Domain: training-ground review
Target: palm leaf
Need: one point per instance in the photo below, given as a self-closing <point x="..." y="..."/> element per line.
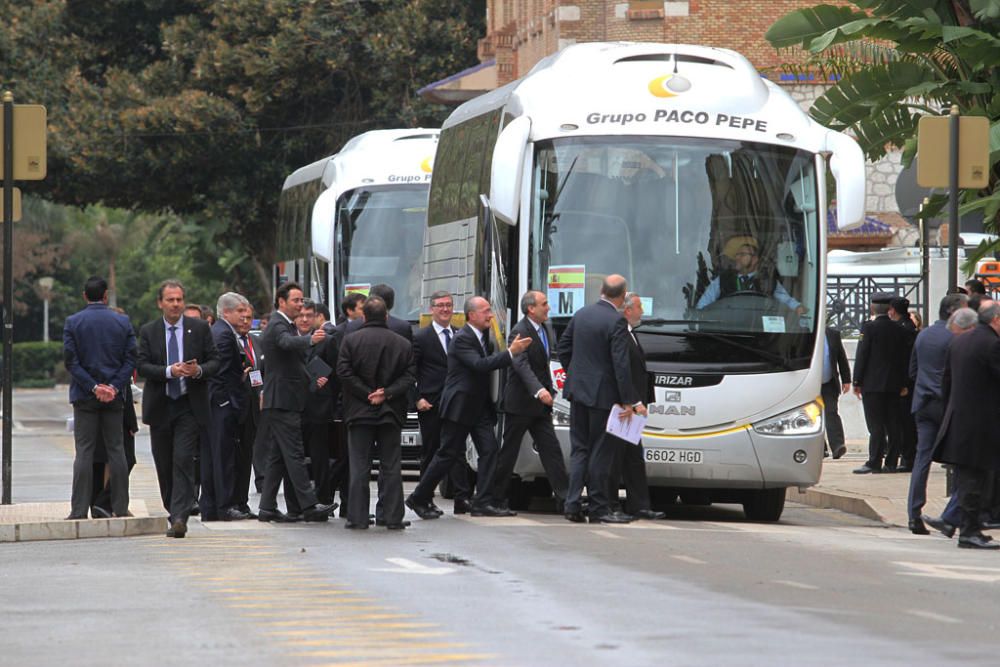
<point x="856" y="96"/>
<point x="800" y="27"/>
<point x="892" y="126"/>
<point x="900" y="9"/>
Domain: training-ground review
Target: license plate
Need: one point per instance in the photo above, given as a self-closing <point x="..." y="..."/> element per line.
<point x="688" y="456"/>
<point x="410" y="439"/>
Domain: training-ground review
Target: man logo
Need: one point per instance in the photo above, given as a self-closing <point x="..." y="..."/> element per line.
<point x="427" y="165"/>
<point x="670" y="85"/>
<point x="671" y="397"/>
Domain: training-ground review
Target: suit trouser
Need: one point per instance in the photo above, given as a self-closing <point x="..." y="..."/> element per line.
<point x="928" y="421"/>
<point x="91" y="420"/>
<point x="591" y="458"/>
<point x="882" y="418"/>
<point x="218" y="464"/>
<point x="969" y="483"/>
<point x="286" y="455"/>
<point x="244" y="461"/>
<point x="430" y="442"/>
<point x="174" y="445"/>
<point x="261" y="447"/>
<point x="543" y="433"/>
<point x="453" y="436"/>
<point x="340" y="467"/>
<point x="318" y="442"/>
<point x="831" y="414"/>
<point x="361" y="441"/>
<point x="629" y="467"/>
<point x="907" y="431"/>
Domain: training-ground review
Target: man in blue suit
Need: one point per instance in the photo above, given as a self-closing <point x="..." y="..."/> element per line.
<point x="99" y="352"/>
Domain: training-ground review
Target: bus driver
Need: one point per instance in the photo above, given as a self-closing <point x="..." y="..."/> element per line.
<point x="745" y="276"/>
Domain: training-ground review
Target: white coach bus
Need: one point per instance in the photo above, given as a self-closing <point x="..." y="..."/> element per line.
<point x="357" y="218"/>
<point x="676" y="166"/>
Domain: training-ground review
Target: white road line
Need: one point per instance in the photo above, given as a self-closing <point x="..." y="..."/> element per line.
<point x="931" y="616"/>
<point x="948" y="571"/>
<point x="407" y="566"/>
<point x="796" y="584"/>
<point x="753" y="527"/>
<point x="690" y="559"/>
<point x="606" y="533"/>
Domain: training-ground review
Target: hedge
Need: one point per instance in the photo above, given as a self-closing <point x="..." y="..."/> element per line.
<point x="35" y="362"/>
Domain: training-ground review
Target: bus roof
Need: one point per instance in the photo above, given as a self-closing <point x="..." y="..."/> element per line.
<point x="632" y="88"/>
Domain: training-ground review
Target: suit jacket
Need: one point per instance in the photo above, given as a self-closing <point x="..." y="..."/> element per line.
<point x="401" y="327"/>
<point x="971" y="385"/>
<point x="880" y="364"/>
<point x="375" y="357"/>
<point x="198" y="345"/>
<point x="98" y="348"/>
<point x="285" y="379"/>
<point x="228" y="385"/>
<point x="838" y="356"/>
<point x="594" y="352"/>
<point x="322" y="402"/>
<point x="431" y="362"/>
<point x="531" y="372"/>
<point x="466" y="395"/>
<point x="642" y="381"/>
<point x="927" y="363"/>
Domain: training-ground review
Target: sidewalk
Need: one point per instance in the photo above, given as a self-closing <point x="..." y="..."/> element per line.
<point x="878" y="497"/>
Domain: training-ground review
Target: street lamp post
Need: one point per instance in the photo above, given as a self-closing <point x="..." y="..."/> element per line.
<point x="45" y="288"/>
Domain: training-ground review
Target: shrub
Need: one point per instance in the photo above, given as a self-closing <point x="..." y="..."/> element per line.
<point x="36" y="361"/>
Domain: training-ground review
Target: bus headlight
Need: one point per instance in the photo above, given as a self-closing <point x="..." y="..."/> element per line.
<point x="804" y="420"/>
<point x="560" y="415"/>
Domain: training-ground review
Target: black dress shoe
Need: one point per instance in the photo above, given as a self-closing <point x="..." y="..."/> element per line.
<point x="402" y="525"/>
<point x="75" y="517"/>
<point x="177" y="529"/>
<point x="652" y="515"/>
<point x="867" y="470"/>
<point x="490" y="510"/>
<point x="99" y="512"/>
<point x="380" y="522"/>
<point x="316" y="514"/>
<point x="977" y="542"/>
<point x="435" y="507"/>
<point x="233" y="514"/>
<point x="424" y="511"/>
<point x="195" y="511"/>
<point x="275" y="516"/>
<point x="333" y="508"/>
<point x="462" y="507"/>
<point x="575" y="517"/>
<point x="840" y="452"/>
<point x="939" y="524"/>
<point x="249" y="512"/>
<point x="350" y="525"/>
<point x="917" y="527"/>
<point x="611" y="517"/>
<point x="890" y="469"/>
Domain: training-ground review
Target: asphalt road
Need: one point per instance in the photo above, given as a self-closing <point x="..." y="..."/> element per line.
<point x="704" y="587"/>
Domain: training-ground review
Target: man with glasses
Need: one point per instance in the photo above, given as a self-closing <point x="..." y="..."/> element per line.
<point x="430" y="352"/>
<point x="746" y="276"/>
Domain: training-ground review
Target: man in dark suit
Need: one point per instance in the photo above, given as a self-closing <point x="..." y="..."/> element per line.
<point x="285" y="387"/>
<point x="527" y="403"/>
<point x="387" y="294"/>
<point x="899" y="312"/>
<point x="594" y="352"/>
<point x="375" y="367"/>
<point x="836" y="381"/>
<point x="467" y="409"/>
<point x="880" y="380"/>
<point x="99" y="353"/>
<point x="176" y="356"/>
<point x="430" y="353"/>
<point x="968" y="433"/>
<point x="250" y="414"/>
<point x="321" y="400"/>
<point x="230" y="395"/>
<point x="927" y="362"/>
<point x="630" y="463"/>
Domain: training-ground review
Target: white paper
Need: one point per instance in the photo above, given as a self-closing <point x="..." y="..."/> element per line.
<point x="629" y="429"/>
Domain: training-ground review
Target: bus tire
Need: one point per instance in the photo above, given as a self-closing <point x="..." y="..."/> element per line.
<point x="660" y="498"/>
<point x="766" y="505"/>
<point x="700" y="497"/>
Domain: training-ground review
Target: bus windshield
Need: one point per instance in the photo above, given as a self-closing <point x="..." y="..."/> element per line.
<point x="718" y="237"/>
<point x="379" y="239"/>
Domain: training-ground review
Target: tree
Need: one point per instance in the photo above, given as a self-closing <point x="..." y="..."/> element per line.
<point x="900" y="60"/>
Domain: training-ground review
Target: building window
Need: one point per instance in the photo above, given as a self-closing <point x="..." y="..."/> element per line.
<point x="642" y="10"/>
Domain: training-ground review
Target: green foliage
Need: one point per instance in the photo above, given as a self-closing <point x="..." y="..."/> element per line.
<point x="905" y="59"/>
<point x="36" y="361"/>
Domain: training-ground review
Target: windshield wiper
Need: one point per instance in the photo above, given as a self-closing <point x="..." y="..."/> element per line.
<point x="776" y="359"/>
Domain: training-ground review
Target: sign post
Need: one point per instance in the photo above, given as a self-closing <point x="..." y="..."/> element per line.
<point x="24" y="159"/>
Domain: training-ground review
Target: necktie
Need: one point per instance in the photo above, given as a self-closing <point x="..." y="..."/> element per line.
<point x="447" y="338"/>
<point x="545" y="339"/>
<point x="173" y="356"/>
<point x="248" y="349"/>
<point x="744" y="282"/>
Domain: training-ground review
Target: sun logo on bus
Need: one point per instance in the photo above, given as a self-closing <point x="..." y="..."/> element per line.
<point x="670" y="85"/>
<point x="427" y="165"/>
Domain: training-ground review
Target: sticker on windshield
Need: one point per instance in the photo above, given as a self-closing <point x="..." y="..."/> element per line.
<point x="647" y="305"/>
<point x="773" y="323"/>
<point x="360" y="288"/>
<point x="566" y="289"/>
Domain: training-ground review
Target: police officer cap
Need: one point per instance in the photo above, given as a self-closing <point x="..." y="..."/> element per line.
<point x="900" y="304"/>
<point x="883" y="297"/>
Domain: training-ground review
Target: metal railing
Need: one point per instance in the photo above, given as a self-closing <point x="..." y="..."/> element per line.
<point x="848" y="298"/>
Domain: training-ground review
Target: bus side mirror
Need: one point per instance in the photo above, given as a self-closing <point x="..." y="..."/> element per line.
<point x="507" y="167"/>
<point x="848" y="167"/>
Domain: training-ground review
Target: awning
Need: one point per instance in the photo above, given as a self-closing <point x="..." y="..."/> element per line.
<point x="462" y="86"/>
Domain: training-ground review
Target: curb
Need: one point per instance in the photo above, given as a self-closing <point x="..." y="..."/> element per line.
<point x="33" y="531"/>
<point x="844" y="502"/>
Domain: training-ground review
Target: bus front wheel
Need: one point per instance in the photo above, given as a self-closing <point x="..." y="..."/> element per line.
<point x="766" y="505"/>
